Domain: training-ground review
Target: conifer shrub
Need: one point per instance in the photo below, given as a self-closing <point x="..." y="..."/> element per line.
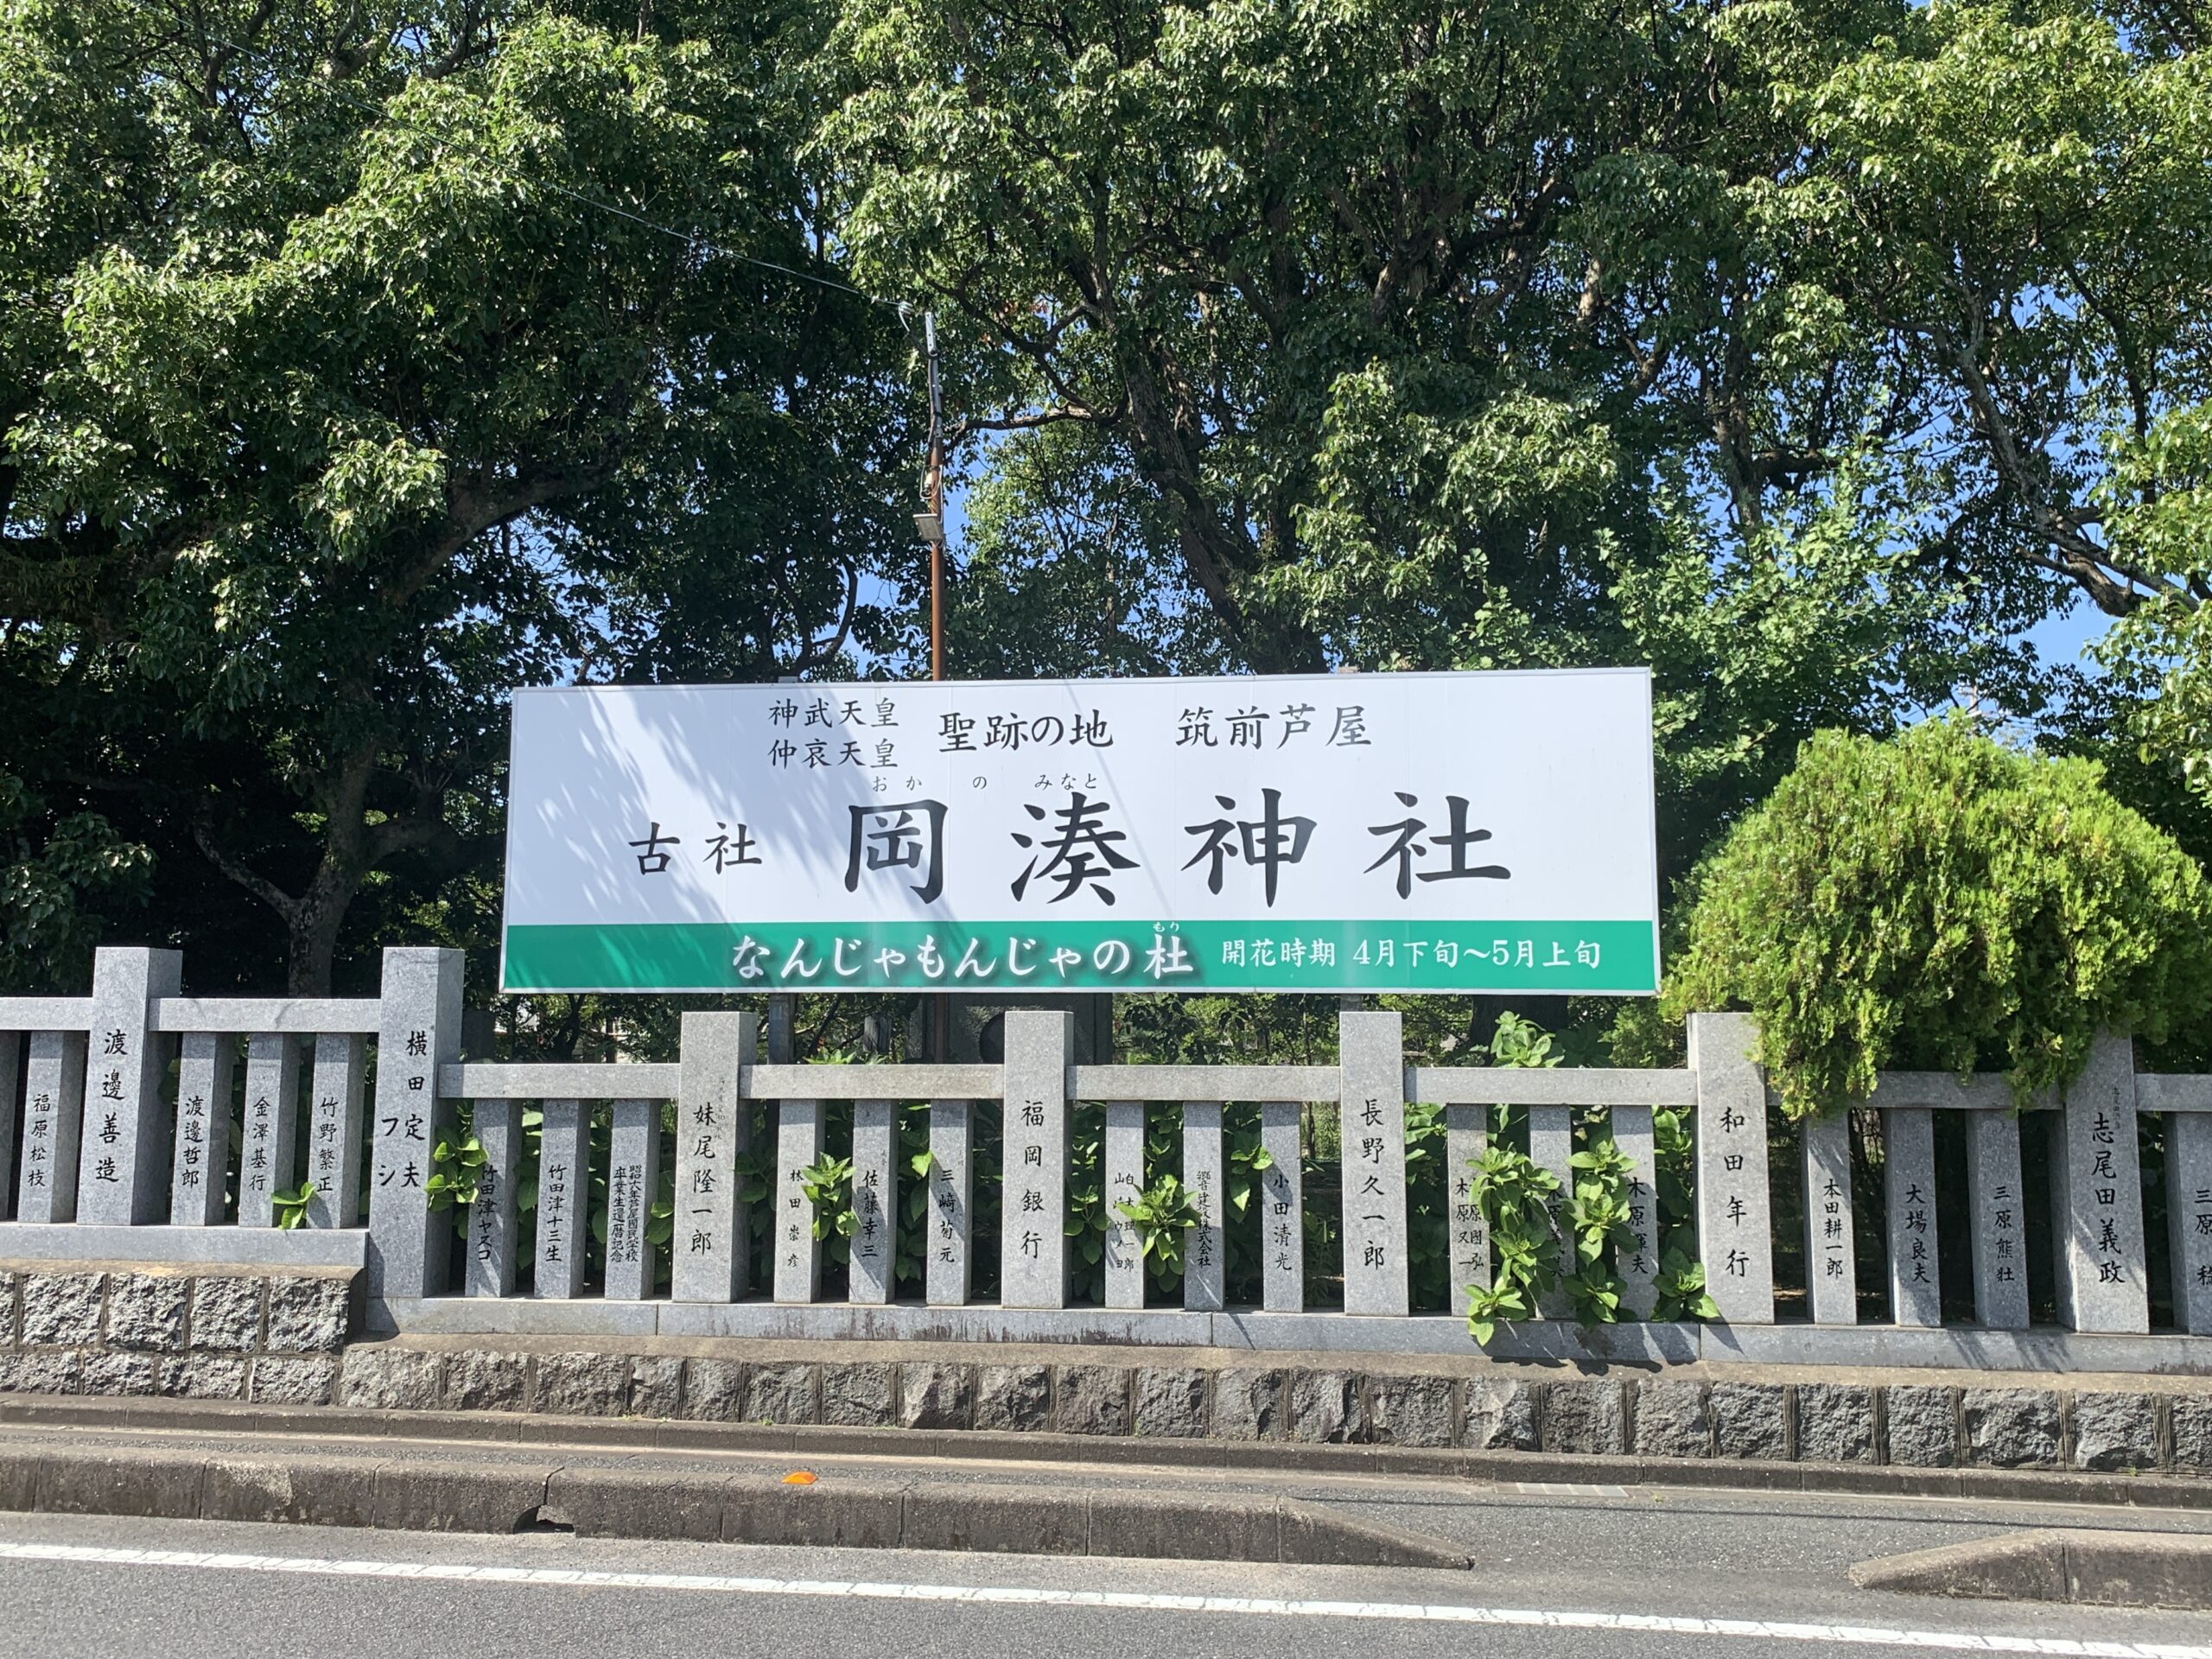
<point x="1937" y="900"/>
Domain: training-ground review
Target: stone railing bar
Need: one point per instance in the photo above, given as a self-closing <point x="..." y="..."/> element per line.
<point x="290" y="1015"/>
<point x="874" y="1082"/>
<point x="560" y="1080"/>
<point x="1202" y="1083"/>
<point x="2157" y="1092"/>
<point x="20" y="1013"/>
<point x="1560" y="1086"/>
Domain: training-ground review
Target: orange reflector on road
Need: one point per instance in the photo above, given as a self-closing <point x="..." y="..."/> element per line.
<point x="801" y="1478"/>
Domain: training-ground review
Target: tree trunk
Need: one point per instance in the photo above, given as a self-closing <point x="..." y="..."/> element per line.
<point x="313" y="923"/>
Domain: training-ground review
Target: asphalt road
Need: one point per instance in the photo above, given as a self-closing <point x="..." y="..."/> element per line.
<point x="1636" y="1572"/>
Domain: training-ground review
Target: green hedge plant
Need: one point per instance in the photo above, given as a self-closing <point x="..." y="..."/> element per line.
<point x="1941" y="901"/>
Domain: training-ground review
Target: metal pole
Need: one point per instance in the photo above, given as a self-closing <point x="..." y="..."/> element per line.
<point x="936" y="491"/>
<point x="940" y="1005"/>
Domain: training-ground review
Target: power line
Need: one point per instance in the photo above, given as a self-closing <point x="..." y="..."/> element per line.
<point x="690" y="238"/>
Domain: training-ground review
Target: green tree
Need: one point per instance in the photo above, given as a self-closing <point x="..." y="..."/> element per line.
<point x="1940" y="900"/>
<point x="1416" y="335"/>
<point x="347" y="381"/>
<point x="2004" y="204"/>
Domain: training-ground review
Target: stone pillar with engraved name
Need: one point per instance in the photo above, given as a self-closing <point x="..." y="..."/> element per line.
<point x="272" y="1119"/>
<point x="2096" y="1193"/>
<point x="1033" y="1270"/>
<point x="1908" y="1200"/>
<point x="1637" y="1260"/>
<point x="1205" y="1247"/>
<point x="1734" y="1215"/>
<point x="418" y="1033"/>
<point x="632" y="1187"/>
<point x="1124" y="1182"/>
<point x="54" y="1113"/>
<point x="710" y="1251"/>
<point x="490" y="1269"/>
<point x="122" y="1161"/>
<point x="1372" y="1112"/>
<point x="2000" y="1267"/>
<point x="334" y="1131"/>
<point x="205" y="1073"/>
<point x="1282" y="1208"/>
<point x="1831" y="1248"/>
<point x="946" y="1276"/>
<point x="875" y="1203"/>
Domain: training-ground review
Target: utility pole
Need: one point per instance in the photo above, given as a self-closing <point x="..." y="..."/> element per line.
<point x="931" y="523"/>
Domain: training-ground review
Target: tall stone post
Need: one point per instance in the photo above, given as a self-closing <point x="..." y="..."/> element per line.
<point x="712" y="1244"/>
<point x="1734" y="1227"/>
<point x="2097" y="1193"/>
<point x="1371" y="1061"/>
<point x="1033" y="1254"/>
<point x="418" y="1032"/>
<point x="122" y="1162"/>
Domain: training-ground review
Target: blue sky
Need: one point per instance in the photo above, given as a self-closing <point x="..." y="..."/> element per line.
<point x="2063" y="639"/>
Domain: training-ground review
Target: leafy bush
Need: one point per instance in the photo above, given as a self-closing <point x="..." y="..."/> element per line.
<point x="1940" y="900"/>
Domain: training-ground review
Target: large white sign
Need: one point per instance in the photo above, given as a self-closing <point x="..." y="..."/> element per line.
<point x="1407" y="832"/>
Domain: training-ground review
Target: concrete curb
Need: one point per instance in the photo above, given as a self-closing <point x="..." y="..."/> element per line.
<point x="986" y="1445"/>
<point x="2104" y="1569"/>
<point x="417" y="1495"/>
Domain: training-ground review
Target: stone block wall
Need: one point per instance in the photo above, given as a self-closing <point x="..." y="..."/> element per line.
<point x="200" y="1332"/>
<point x="281" y="1337"/>
<point x="1625" y="1415"/>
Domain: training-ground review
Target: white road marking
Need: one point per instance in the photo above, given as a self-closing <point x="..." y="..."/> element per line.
<point x="1008" y="1595"/>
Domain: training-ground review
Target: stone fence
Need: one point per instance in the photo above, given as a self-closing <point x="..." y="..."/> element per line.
<point x="122" y="1110"/>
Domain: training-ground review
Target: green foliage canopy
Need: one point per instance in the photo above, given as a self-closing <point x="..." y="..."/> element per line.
<point x="345" y="382"/>
<point x="1938" y="900"/>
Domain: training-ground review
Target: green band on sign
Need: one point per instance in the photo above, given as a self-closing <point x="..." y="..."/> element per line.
<point x="1563" y="958"/>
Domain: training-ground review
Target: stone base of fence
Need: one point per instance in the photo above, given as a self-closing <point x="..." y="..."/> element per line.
<point x="195" y="1332"/>
<point x="280" y="1338"/>
<point x="1868" y="1419"/>
<point x="251" y="1248"/>
<point x="2043" y="1350"/>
